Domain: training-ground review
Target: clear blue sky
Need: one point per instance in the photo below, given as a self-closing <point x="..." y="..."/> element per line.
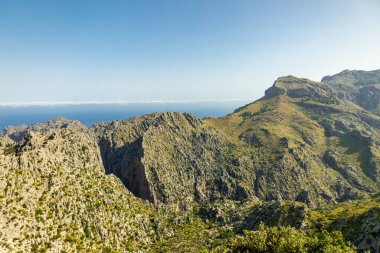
<point x="70" y="50"/>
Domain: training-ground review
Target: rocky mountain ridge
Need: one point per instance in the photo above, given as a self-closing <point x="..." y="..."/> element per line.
<point x="360" y="87"/>
<point x="303" y="146"/>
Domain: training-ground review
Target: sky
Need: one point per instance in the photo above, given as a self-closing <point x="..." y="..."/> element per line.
<point x="152" y="50"/>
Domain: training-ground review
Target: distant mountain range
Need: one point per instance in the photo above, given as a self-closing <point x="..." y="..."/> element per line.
<point x="306" y="155"/>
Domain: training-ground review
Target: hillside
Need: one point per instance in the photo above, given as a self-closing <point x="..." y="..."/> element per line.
<point x="55" y="197"/>
<point x="309" y="145"/>
<point x="360" y="87"/>
<point x="306" y="155"/>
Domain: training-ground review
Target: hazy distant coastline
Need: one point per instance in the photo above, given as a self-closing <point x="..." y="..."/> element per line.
<point x="116" y="102"/>
<point x="91" y="112"/>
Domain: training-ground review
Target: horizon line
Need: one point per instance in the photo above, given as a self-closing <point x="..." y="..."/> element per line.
<point x="114" y="102"/>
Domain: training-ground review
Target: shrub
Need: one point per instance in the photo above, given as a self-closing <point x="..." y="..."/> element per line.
<point x="286" y="239"/>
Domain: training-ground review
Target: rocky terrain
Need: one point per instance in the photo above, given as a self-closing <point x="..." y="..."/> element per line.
<point x="360" y="87"/>
<point x="306" y="155"/>
<point x="56" y="197"/>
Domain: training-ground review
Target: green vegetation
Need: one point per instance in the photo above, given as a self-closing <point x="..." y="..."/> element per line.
<point x="353" y="218"/>
<point x="248" y="114"/>
<point x="9" y="149"/>
<point x="286" y="239"/>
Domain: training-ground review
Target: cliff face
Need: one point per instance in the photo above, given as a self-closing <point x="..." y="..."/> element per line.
<point x="167" y="158"/>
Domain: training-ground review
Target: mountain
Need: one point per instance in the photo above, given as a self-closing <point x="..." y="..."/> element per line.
<point x="309" y="146"/>
<point x="297" y="157"/>
<point x="360" y="87"/>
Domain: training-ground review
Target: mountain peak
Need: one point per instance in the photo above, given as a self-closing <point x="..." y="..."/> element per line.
<point x="354" y="78"/>
<point x="296" y="87"/>
<point x="17" y="133"/>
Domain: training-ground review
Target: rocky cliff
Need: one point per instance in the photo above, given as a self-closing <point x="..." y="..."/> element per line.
<point x="171" y="158"/>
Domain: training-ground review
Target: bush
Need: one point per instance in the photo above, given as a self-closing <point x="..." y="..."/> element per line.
<point x="286" y="240"/>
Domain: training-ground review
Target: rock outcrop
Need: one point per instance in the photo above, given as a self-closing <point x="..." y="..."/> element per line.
<point x="298" y="88"/>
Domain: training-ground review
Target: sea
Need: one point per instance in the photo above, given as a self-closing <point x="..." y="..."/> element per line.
<point x="92" y="113"/>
